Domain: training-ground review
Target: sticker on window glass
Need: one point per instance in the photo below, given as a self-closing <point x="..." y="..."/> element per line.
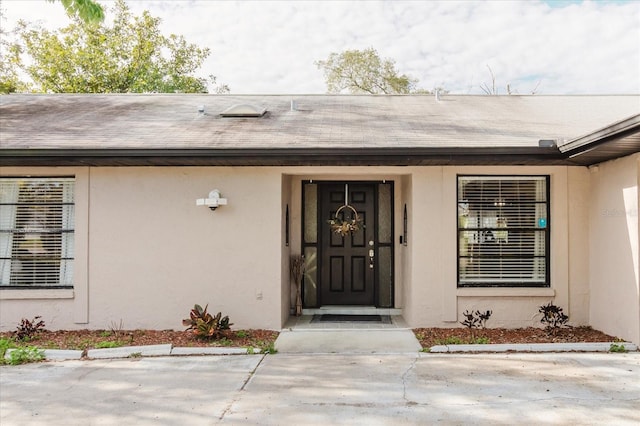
<point x="542" y="223"/>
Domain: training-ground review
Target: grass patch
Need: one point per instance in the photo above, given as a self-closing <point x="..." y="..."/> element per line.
<point x="5" y="344"/>
<point x="450" y="341"/>
<point x="453" y="340"/>
<point x="26" y="355"/>
<point x="109" y="344"/>
<point x="267" y="348"/>
<point x="617" y="347"/>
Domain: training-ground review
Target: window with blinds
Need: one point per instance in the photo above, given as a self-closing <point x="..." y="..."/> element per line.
<point x="503" y="231"/>
<point x="36" y="232"/>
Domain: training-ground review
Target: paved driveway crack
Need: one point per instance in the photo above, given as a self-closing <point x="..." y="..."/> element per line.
<point x="404" y="382"/>
<point x="238" y="393"/>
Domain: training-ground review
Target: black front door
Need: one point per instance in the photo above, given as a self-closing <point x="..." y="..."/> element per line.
<point x="347" y="263"/>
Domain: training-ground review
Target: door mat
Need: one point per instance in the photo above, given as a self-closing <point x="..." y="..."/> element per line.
<point x="384" y="319"/>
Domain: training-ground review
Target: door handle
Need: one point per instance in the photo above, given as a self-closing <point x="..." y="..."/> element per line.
<point x="371" y="253"/>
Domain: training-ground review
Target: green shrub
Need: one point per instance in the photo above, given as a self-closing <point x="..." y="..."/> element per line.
<point x="206" y="326"/>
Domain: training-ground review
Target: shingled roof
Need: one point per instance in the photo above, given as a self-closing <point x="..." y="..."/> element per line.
<point x="186" y="129"/>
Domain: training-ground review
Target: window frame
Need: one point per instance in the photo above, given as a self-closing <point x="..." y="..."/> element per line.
<point x="70" y="183"/>
<point x="547" y="236"/>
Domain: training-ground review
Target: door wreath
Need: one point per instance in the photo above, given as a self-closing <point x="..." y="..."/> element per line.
<point x="346" y="226"/>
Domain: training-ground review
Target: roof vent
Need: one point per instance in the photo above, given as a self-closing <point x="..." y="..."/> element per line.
<point x="547" y="143"/>
<point x="243" y="110"/>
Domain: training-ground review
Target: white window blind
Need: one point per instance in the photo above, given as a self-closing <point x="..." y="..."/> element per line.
<point x="503" y="231"/>
<point x="36" y="232"/>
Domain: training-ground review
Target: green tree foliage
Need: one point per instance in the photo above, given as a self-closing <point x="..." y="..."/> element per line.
<point x="87" y="10"/>
<point x="129" y="56"/>
<point x="9" y="59"/>
<point x="363" y="71"/>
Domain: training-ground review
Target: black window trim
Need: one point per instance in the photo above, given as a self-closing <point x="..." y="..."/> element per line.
<point x="547" y="257"/>
<point x="43" y="287"/>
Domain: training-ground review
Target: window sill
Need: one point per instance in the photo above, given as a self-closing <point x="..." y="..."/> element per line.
<point x="14" y="294"/>
<point x="506" y="292"/>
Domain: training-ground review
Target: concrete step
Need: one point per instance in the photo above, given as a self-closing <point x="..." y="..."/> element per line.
<point x="361" y="341"/>
<point x="352" y="310"/>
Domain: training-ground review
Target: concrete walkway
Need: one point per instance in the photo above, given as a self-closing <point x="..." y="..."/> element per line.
<point x="347" y="341"/>
<point x="314" y="389"/>
<point x="301" y="335"/>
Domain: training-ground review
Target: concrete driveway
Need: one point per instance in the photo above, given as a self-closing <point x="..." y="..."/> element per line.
<point x="308" y="389"/>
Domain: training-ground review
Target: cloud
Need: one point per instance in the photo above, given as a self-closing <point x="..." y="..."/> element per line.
<point x="270" y="46"/>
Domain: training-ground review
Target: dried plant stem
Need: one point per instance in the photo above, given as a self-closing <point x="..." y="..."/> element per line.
<point x="296" y="267"/>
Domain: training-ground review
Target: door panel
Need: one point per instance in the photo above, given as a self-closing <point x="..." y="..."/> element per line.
<point x="347" y="271"/>
<point x="358" y="273"/>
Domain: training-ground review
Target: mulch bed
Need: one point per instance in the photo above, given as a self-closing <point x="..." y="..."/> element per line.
<point x="437" y="336"/>
<point x="91" y="339"/>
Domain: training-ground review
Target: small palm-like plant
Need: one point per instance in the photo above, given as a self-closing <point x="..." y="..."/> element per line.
<point x="206" y="326"/>
<point x="475" y="320"/>
<point x="29" y="329"/>
<point x="553" y="318"/>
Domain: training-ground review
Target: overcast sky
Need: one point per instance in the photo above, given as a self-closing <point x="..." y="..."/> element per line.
<point x="265" y="47"/>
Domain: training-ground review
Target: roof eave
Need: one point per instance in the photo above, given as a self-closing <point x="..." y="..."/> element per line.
<point x="282" y="157"/>
<point x="618" y="129"/>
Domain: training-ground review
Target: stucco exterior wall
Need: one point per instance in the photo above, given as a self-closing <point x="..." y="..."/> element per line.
<point x="180" y="254"/>
<point x="152" y="253"/>
<point x="614" y="250"/>
<point x="426" y="249"/>
<point x="287" y="293"/>
<point x="404" y="279"/>
<point x="578" y="198"/>
<point x="433" y="297"/>
<point x="146" y="253"/>
<point x="61" y="308"/>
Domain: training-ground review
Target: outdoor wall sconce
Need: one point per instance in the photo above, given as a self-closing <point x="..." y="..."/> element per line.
<point x="213" y="201"/>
